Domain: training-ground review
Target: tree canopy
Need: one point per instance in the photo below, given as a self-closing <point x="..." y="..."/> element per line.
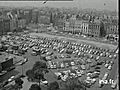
<point x="19" y="81"/>
<point x="73" y="84"/>
<point x="37" y="72"/>
<point x="53" y="86"/>
<point x="39" y="64"/>
<point x="30" y="74"/>
<point x="34" y="87"/>
<point x="102" y="29"/>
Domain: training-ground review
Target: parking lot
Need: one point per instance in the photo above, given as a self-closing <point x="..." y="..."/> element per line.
<point x="98" y="44"/>
<point x="86" y="60"/>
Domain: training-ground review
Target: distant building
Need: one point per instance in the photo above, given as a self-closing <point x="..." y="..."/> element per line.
<point x="85" y="27"/>
<point x="73" y="17"/>
<point x="20" y="12"/>
<point x="66" y="26"/>
<point x="13" y="24"/>
<point x="111" y="28"/>
<point x="44" y="20"/>
<point x="78" y="26"/>
<point x="94" y="29"/>
<point x="35" y="15"/>
<point x="74" y="26"/>
<point x="71" y="25"/>
<point x="60" y="24"/>
<point x="1" y="26"/>
<point x="21" y="23"/>
<point x="28" y="16"/>
<point x="6" y="22"/>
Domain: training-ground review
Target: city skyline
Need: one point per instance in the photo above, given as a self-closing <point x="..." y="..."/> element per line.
<point x="111" y="5"/>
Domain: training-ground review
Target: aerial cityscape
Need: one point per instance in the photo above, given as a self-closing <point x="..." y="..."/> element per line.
<point x="59" y="45"/>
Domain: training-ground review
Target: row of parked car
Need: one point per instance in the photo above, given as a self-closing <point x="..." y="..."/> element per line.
<point x="85" y="54"/>
<point x="79" y="50"/>
<point x="71" y="73"/>
<point x="62" y="64"/>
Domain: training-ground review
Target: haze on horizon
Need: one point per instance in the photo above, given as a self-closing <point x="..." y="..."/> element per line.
<point x="111" y="5"/>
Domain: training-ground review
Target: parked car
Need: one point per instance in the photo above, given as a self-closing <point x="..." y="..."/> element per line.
<point x="34" y="54"/>
<point x="106" y="65"/>
<point x="109" y="67"/>
<point x="44" y="81"/>
<point x="105" y="76"/>
<point x="114" y="85"/>
<point x="11" y="78"/>
<point x="97" y="68"/>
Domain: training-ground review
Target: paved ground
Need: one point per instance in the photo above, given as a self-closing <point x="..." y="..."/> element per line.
<point x="112" y="75"/>
<point x="50" y="76"/>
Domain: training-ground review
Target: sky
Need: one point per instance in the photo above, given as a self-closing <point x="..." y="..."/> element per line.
<point x="94" y="4"/>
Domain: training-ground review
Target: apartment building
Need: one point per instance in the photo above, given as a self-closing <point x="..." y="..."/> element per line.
<point x="94" y="29"/>
<point x="85" y="27"/>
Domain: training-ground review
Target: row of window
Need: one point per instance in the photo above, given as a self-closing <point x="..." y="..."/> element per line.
<point x="94" y="26"/>
<point x="83" y="27"/>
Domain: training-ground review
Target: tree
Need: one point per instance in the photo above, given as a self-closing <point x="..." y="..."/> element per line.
<point x="19" y="81"/>
<point x="37" y="71"/>
<point x="73" y="84"/>
<point x="34" y="87"/>
<point x="30" y="75"/>
<point x="102" y="30"/>
<point x="38" y="75"/>
<point x="53" y="86"/>
<point x="10" y="87"/>
<point x="40" y="65"/>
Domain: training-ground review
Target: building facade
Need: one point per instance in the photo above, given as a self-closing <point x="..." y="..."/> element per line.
<point x="21" y="23"/>
<point x="85" y="27"/>
<point x="6" y="22"/>
<point x="43" y="20"/>
<point x="111" y="28"/>
<point x="35" y="14"/>
<point x="66" y="26"/>
<point x="78" y="26"/>
<point x="59" y="24"/>
<point x="1" y="26"/>
<point x="74" y="26"/>
<point x="13" y="25"/>
<point x="28" y="16"/>
<point x="94" y="29"/>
